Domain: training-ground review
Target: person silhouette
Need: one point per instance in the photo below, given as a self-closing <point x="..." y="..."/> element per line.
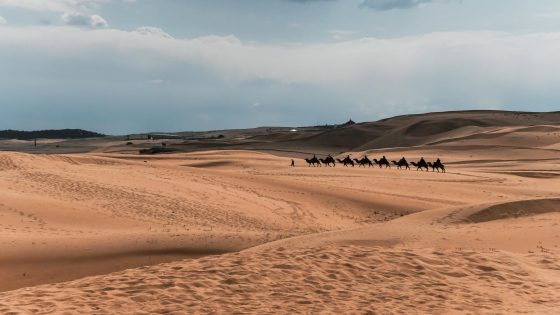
<point x="293" y="163"/>
<point x="438" y="161"/>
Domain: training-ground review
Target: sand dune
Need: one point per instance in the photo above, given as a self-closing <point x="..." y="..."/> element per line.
<point x="332" y="279"/>
<point x="515" y="209"/>
<point x="239" y="231"/>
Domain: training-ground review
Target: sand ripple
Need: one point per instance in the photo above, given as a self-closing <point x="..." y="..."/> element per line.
<point x="332" y="279"/>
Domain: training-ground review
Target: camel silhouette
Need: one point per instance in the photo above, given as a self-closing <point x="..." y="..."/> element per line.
<point x="313" y="161"/>
<point x="347" y="161"/>
<point x="437" y="166"/>
<point x="402" y="163"/>
<point x="440" y="165"/>
<point x="364" y="161"/>
<point x="328" y="161"/>
<point x="382" y="162"/>
<point x="420" y="164"/>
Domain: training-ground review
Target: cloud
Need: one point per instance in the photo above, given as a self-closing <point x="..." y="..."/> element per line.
<point x="381" y="5"/>
<point x="54" y="5"/>
<point x="85" y="20"/>
<point x="59" y="5"/>
<point x="152" y="31"/>
<point x="105" y="71"/>
<point x="384" y="5"/>
<point x="3" y="21"/>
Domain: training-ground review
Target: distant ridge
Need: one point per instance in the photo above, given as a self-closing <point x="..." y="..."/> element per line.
<point x="49" y="134"/>
<point x="401" y="131"/>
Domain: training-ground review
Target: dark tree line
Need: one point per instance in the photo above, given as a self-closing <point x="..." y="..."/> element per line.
<point x="49" y="134"/>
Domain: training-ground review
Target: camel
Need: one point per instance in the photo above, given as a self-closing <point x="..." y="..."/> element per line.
<point x="420" y="164"/>
<point x="382" y="162"/>
<point x="400" y="164"/>
<point x="328" y="161"/>
<point x="313" y="161"/>
<point x="364" y="161"/>
<point x="437" y="166"/>
<point x="347" y="161"/>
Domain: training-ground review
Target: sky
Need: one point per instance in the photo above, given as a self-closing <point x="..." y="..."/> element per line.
<point x="126" y="66"/>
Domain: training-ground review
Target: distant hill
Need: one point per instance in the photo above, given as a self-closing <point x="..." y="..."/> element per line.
<point x="482" y="127"/>
<point x="49" y="134"/>
<point x="420" y="129"/>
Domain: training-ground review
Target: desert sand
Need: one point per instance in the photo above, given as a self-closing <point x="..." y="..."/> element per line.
<point x="232" y="228"/>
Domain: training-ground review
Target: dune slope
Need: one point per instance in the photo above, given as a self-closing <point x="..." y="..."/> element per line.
<point x="239" y="231"/>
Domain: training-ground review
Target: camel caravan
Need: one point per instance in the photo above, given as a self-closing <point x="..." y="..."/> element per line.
<point x="383" y="162"/>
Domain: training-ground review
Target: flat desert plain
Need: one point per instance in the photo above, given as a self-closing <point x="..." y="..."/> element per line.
<point x="240" y="231"/>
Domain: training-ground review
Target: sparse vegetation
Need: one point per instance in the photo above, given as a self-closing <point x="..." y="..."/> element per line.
<point x="49" y="134"/>
<point x="157" y="150"/>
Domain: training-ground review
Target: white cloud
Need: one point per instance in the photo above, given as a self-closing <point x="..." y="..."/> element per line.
<point x="82" y="19"/>
<point x="3" y="21"/>
<point x="58" y="5"/>
<point x="54" y="5"/>
<point x="152" y="31"/>
<point x="477" y="69"/>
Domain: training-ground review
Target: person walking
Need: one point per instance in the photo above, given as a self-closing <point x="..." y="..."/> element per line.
<point x="293" y="163"/>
